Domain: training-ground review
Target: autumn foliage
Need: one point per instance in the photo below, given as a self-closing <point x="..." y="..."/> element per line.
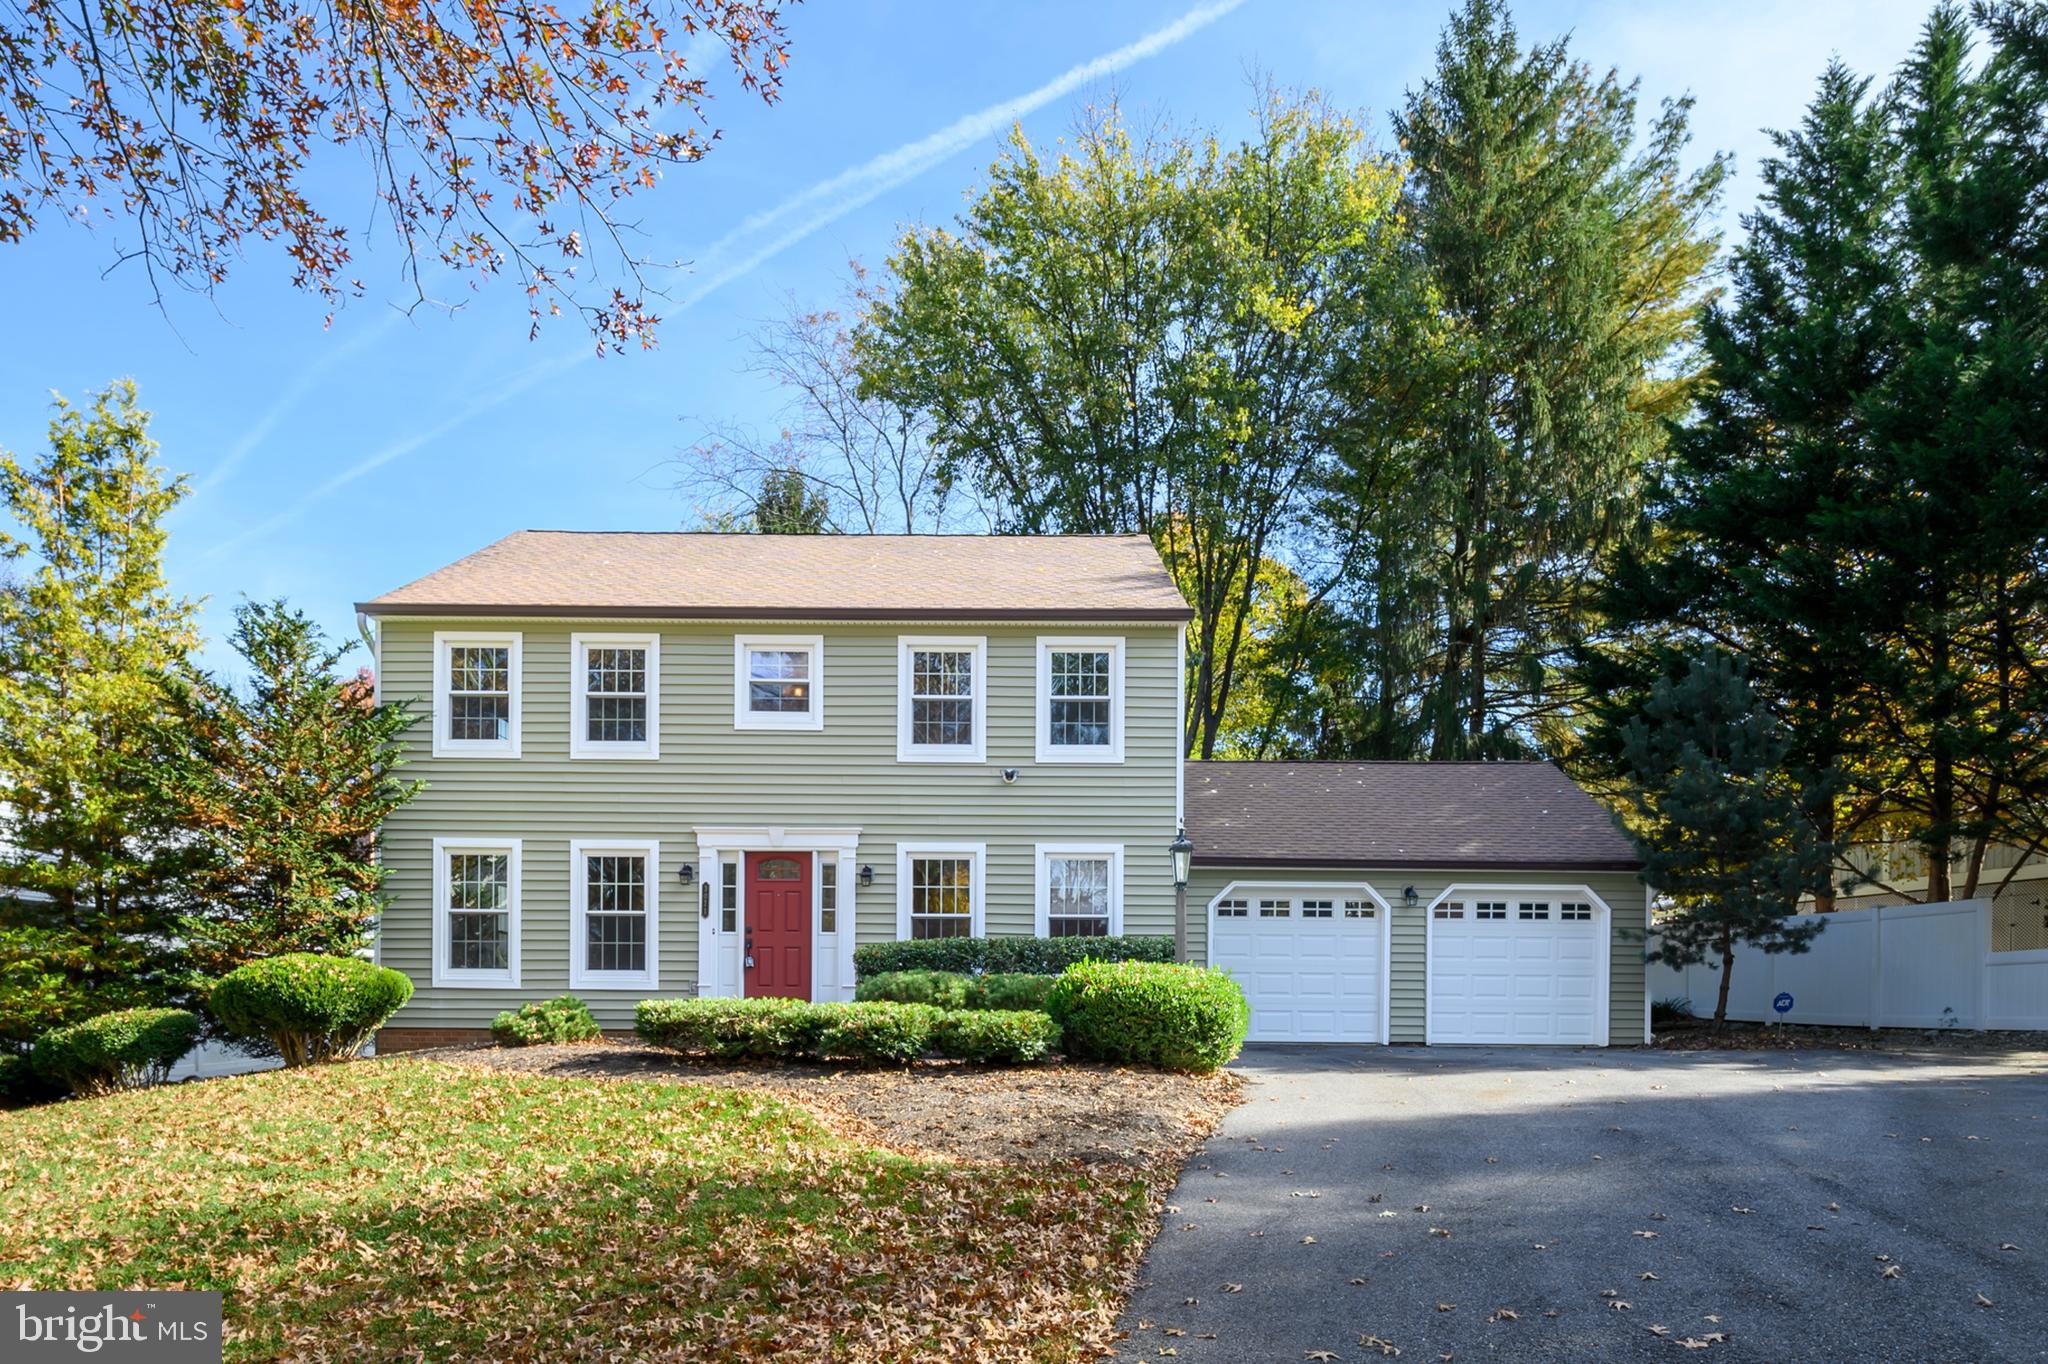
<point x="499" y="138"/>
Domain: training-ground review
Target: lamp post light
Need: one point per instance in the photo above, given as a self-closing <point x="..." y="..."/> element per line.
<point x="1183" y="856"/>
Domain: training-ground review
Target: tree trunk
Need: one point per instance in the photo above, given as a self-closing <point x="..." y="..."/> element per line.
<point x="1727" y="974"/>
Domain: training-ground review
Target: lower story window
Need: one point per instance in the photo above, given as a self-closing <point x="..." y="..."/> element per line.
<point x="1079" y="889"/>
<point x="941" y="896"/>
<point x="476" y="895"/>
<point x="616" y="886"/>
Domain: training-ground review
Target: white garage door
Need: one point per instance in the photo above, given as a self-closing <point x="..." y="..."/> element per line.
<point x="1312" y="962"/>
<point x="1515" y="967"/>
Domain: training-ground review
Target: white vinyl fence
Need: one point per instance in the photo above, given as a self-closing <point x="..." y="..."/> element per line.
<point x="1902" y="966"/>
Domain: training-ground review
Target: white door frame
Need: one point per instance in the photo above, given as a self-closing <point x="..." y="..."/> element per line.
<point x="1385" y="915"/>
<point x="1603" y="925"/>
<point x="714" y="841"/>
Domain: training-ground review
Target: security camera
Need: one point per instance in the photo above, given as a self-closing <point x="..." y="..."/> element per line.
<point x="1009" y="776"/>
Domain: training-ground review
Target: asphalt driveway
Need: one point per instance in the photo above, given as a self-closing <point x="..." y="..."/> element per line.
<point x="1575" y="1205"/>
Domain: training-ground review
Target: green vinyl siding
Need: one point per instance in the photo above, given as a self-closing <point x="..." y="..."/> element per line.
<point x="1623" y="893"/>
<point x="709" y="773"/>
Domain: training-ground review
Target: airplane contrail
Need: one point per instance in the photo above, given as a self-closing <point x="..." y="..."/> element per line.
<point x="739" y="252"/>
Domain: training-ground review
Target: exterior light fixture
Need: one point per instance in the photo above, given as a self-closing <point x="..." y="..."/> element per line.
<point x="867" y="875"/>
<point x="686" y="873"/>
<point x="1183" y="856"/>
<point x="1410" y="897"/>
<point x="1183" y="852"/>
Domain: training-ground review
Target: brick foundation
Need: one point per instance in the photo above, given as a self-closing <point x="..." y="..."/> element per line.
<point x="418" y="1039"/>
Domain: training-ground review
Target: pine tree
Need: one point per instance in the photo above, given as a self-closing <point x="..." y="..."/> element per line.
<point x="86" y="634"/>
<point x="1725" y="839"/>
<point x="282" y="792"/>
<point x="788" y="505"/>
<point x="1567" y="260"/>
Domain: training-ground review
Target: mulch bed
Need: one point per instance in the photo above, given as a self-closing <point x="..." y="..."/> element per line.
<point x="1053" y="1113"/>
<point x="1698" y="1035"/>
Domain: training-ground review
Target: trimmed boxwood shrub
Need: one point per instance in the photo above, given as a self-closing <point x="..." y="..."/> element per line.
<point x="1009" y="990"/>
<point x="312" y="1008"/>
<point x="1176" y="1017"/>
<point x="941" y="989"/>
<point x="877" y="1033"/>
<point x="984" y="956"/>
<point x="731" y="1028"/>
<point x="564" y="1018"/>
<point x="1009" y="1036"/>
<point x="123" y="1050"/>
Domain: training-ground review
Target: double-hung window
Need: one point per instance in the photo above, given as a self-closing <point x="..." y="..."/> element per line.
<point x="1080" y="890"/>
<point x="778" y="682"/>
<point x="476" y="912"/>
<point x="615" y="681"/>
<point x="476" y="695"/>
<point x="942" y="699"/>
<point x="1080" y="700"/>
<point x="614" y="886"/>
<point x="939" y="890"/>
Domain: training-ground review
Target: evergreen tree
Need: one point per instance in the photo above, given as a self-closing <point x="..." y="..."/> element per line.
<point x="86" y="634"/>
<point x="1567" y="261"/>
<point x="788" y="505"/>
<point x="1724" y="837"/>
<point x="282" y="791"/>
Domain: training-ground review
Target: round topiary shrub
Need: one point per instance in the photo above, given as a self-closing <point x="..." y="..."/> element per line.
<point x="940" y="989"/>
<point x="310" y="1007"/>
<point x="564" y="1018"/>
<point x="123" y="1050"/>
<point x="1176" y="1017"/>
<point x="1003" y="1036"/>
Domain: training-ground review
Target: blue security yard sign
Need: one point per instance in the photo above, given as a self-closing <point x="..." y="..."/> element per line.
<point x="1783" y="1003"/>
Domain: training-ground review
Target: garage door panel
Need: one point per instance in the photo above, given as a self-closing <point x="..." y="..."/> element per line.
<point x="1515" y="981"/>
<point x="1308" y="978"/>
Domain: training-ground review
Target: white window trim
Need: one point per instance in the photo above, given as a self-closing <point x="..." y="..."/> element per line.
<point x="580" y="746"/>
<point x="580" y="977"/>
<point x="444" y="977"/>
<point x="445" y="747"/>
<point x="743" y="718"/>
<point x="908" y="752"/>
<point x="978" y="878"/>
<point x="1042" y="882"/>
<point x="1113" y="752"/>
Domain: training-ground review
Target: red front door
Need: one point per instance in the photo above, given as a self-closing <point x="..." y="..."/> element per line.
<point x="778" y="942"/>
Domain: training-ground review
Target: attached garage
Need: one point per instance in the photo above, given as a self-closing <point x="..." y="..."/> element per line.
<point x="1491" y="904"/>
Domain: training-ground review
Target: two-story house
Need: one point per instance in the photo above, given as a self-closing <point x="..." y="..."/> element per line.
<point x="703" y="764"/>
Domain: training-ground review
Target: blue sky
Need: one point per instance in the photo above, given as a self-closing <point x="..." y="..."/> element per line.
<point x="332" y="464"/>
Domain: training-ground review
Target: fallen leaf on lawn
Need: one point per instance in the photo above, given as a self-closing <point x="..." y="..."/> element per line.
<point x="1891" y="1272"/>
<point x="1233" y="1288"/>
<point x="1205" y="1335"/>
<point x="1503" y="1314"/>
<point x="1646" y="1235"/>
<point x="1744" y="1211"/>
<point x="1609" y="1293"/>
<point x="1387" y="1348"/>
<point x="1304" y="1193"/>
<point x="1618" y="1305"/>
<point x="1376" y="1198"/>
<point x="1447" y="1307"/>
<point x="1308" y="1240"/>
<point x="1493" y="1160"/>
<point x="1881" y="1258"/>
<point x="1983" y="1301"/>
<point x="1658" y="1217"/>
<point x="1173" y="1331"/>
<point x="2007" y="1245"/>
<point x="1648" y="1276"/>
<point x="1422" y="1207"/>
<point x="1168" y="1350"/>
<point x="1388" y="1212"/>
<point x="1360" y="1283"/>
<point x="1190" y="1302"/>
<point x="1660" y="1331"/>
<point x="1834" y="1207"/>
<point x="1440" y="1231"/>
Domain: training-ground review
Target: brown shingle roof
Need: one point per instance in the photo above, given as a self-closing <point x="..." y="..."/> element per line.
<point x="768" y="577"/>
<point x="1462" y="816"/>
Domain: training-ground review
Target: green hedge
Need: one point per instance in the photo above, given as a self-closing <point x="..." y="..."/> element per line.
<point x="733" y="1029"/>
<point x="310" y="1007"/>
<point x="951" y="990"/>
<point x="1176" y="1017"/>
<point x="984" y="956"/>
<point x="876" y="1033"/>
<point x="564" y="1018"/>
<point x="123" y="1050"/>
<point x="1009" y="1036"/>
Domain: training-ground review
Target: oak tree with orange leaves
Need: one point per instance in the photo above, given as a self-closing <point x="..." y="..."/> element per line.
<point x="502" y="137"/>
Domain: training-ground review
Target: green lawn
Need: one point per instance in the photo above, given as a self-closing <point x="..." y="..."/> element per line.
<point x="414" y="1209"/>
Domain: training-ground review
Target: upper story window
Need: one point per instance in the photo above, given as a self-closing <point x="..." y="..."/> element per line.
<point x="1080" y="700"/>
<point x="615" y="685"/>
<point x="613" y="889"/>
<point x="1080" y="890"/>
<point x="476" y="695"/>
<point x="476" y="912"/>
<point x="942" y="700"/>
<point x="778" y="682"/>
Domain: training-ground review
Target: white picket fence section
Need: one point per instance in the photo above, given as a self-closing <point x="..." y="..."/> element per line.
<point x="1901" y="966"/>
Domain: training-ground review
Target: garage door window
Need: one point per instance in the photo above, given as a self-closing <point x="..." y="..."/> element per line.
<point x="1232" y="909"/>
<point x="1531" y="910"/>
<point x="1358" y="909"/>
<point x="1318" y="909"/>
<point x="1276" y="909"/>
<point x="1575" y="910"/>
<point x="1451" y="911"/>
<point x="1490" y="909"/>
